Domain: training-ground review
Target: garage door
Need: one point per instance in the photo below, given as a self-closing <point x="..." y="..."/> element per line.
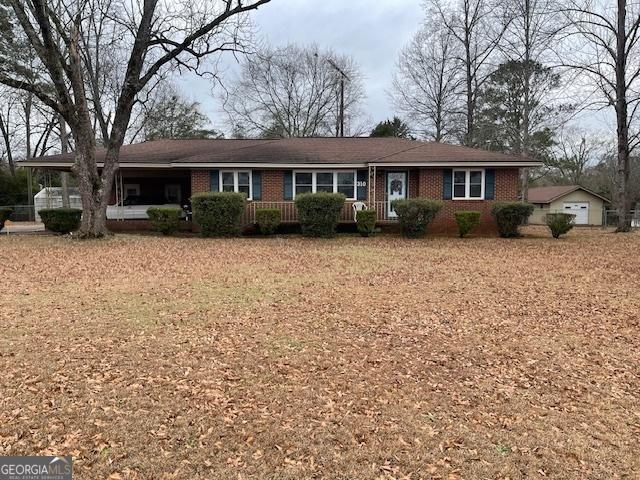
<point x="580" y="210"/>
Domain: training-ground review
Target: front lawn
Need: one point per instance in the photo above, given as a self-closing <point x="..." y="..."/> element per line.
<point x="355" y="358"/>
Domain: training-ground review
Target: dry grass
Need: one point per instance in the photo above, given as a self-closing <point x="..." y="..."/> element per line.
<point x="148" y="357"/>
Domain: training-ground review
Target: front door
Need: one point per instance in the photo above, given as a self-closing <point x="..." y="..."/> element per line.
<point x="396" y="189"/>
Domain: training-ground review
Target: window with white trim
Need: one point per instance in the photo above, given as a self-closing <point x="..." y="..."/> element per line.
<point x="468" y="184"/>
<point x="323" y="181"/>
<point x="238" y="181"/>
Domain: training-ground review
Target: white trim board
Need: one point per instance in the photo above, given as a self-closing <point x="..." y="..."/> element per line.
<point x="290" y="166"/>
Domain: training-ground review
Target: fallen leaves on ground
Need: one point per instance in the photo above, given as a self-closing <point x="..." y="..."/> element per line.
<point x="157" y="358"/>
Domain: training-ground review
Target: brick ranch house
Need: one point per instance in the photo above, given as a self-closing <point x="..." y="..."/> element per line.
<point x="272" y="172"/>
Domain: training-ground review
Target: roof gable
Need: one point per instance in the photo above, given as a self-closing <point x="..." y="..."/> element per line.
<point x="550" y="194"/>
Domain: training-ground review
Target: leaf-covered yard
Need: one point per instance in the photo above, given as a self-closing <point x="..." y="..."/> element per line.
<point x="287" y="358"/>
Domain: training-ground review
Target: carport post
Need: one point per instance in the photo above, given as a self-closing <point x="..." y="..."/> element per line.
<point x="371" y="187"/>
<point x="30" y="195"/>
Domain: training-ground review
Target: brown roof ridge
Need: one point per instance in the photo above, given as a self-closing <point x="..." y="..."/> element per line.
<point x="424" y="143"/>
<point x="237" y="149"/>
<point x="264" y="142"/>
<point x="493" y="152"/>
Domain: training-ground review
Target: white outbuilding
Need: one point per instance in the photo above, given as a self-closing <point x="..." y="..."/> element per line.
<point x="586" y="205"/>
<point x="51" y="197"/>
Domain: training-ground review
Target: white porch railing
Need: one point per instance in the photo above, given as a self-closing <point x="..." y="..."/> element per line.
<point x="288" y="209"/>
<point x="290" y="214"/>
<point x="382" y="211"/>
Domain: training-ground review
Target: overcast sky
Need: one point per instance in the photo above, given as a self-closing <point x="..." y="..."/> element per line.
<point x="371" y="31"/>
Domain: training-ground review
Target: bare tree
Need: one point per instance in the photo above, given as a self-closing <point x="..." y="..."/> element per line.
<point x="576" y="151"/>
<point x="7" y="130"/>
<point x="603" y="177"/>
<point x="530" y="33"/>
<point x="427" y="83"/>
<point x="157" y="36"/>
<point x="171" y="115"/>
<point x="602" y="44"/>
<point x="26" y="127"/>
<point x="293" y="92"/>
<point x="478" y="26"/>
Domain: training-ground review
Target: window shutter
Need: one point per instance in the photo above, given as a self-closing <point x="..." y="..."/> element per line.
<point x="214" y="180"/>
<point x="489" y="184"/>
<point x="256" y="184"/>
<point x="362" y="178"/>
<point x="447" y="184"/>
<point x="288" y="185"/>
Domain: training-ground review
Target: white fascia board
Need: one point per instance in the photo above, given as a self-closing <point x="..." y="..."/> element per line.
<point x="44" y="164"/>
<point x="276" y="166"/>
<point x="99" y="165"/>
<point x="459" y="164"/>
<point x="296" y="166"/>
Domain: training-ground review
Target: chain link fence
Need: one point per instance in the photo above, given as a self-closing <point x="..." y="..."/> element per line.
<point x="610" y="219"/>
<point x="21" y="213"/>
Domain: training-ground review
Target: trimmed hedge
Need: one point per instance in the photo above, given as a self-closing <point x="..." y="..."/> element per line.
<point x="467" y="221"/>
<point x="5" y="213"/>
<point x="61" y="220"/>
<point x="559" y="223"/>
<point x="415" y="214"/>
<point x="366" y="222"/>
<point x="319" y="213"/>
<point x="509" y="217"/>
<point x="165" y="220"/>
<point x="218" y="213"/>
<point x="268" y="220"/>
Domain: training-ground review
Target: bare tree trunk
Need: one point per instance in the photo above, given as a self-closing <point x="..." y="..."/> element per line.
<point x="624" y="204"/>
<point x="469" y="138"/>
<point x="527" y="99"/>
<point x="525" y="131"/>
<point x="64" y="176"/>
<point x="95" y="188"/>
<point x="27" y="123"/>
<point x="4" y="130"/>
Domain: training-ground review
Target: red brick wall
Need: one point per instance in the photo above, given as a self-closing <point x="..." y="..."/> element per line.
<point x="430" y="186"/>
<point x="414" y="182"/>
<point x="199" y="181"/>
<point x="424" y="182"/>
<point x="273" y="185"/>
<point x="381" y="185"/>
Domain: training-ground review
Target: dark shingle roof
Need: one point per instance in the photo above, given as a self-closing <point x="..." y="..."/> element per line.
<point x="549" y="194"/>
<point x="348" y="151"/>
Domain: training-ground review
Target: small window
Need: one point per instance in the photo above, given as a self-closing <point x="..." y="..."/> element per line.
<point x="324" y="182"/>
<point x="468" y="184"/>
<point x="346" y="184"/>
<point x="244" y="183"/>
<point x="236" y="181"/>
<point x="304" y="182"/>
<point x="475" y="184"/>
<point x="459" y="184"/>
